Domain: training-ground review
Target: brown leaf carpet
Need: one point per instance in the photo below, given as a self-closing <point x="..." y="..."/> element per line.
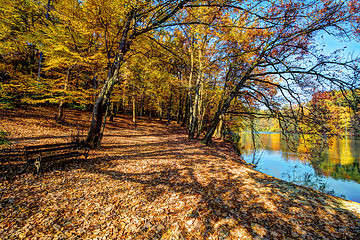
<point x="151" y="182"/>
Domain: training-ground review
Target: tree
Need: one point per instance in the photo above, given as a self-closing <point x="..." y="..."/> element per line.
<point x="19" y="23"/>
<point x="208" y="62"/>
<point x="282" y="34"/>
<point x="138" y="20"/>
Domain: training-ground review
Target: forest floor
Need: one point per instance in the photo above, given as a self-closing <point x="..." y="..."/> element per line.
<point x="151" y="182"/>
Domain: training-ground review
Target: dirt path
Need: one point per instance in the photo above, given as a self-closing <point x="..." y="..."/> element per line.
<point x="153" y="183"/>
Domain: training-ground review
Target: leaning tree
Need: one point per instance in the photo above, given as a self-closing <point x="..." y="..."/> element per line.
<point x="282" y="53"/>
<point x="139" y="18"/>
<point x="279" y="38"/>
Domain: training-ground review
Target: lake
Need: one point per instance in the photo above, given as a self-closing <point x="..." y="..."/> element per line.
<point x="334" y="170"/>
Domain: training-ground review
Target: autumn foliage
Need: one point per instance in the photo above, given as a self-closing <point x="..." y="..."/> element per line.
<point x="199" y="63"/>
<point x="209" y="66"/>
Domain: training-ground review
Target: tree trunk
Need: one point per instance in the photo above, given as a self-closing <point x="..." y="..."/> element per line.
<point x="219" y="129"/>
<point x="115" y="110"/>
<point x="134" y="108"/>
<point x="169" y="109"/>
<point x="40" y="52"/>
<point x="161" y="111"/>
<point x="60" y="117"/>
<point x="253" y="138"/>
<point x="197" y="102"/>
<point x="39" y="67"/>
<point x="201" y="119"/>
<point x="99" y="111"/>
<point x="48" y="9"/>
<point x="94" y="133"/>
<point x="123" y="100"/>
<point x="186" y="115"/>
<point x="112" y="111"/>
<point x="200" y="101"/>
<point x="180" y="109"/>
<point x="226" y="104"/>
<point x="222" y="110"/>
<point x="189" y="87"/>
<point x="142" y="105"/>
<point x="103" y="126"/>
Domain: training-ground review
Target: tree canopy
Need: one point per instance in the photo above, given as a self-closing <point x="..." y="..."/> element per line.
<point x="206" y="64"/>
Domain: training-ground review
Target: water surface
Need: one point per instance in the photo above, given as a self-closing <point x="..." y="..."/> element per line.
<point x="334" y="170"/>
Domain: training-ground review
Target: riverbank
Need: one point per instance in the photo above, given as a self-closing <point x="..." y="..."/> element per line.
<point x="332" y="169"/>
<point x="151" y="182"/>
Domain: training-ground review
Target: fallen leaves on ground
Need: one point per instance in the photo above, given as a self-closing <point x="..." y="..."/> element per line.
<point x="151" y="182"/>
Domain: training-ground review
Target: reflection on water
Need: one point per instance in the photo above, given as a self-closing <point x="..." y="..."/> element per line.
<point x="334" y="170"/>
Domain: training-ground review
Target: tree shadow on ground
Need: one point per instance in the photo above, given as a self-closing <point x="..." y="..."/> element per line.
<point x="246" y="205"/>
<point x="211" y="199"/>
<point x="262" y="207"/>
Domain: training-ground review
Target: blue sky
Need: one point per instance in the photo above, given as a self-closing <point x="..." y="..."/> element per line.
<point x="332" y="43"/>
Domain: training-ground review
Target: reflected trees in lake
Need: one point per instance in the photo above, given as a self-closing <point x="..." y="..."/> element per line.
<point x="312" y="163"/>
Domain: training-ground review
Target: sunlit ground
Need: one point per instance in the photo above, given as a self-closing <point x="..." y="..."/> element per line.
<point x="153" y="183"/>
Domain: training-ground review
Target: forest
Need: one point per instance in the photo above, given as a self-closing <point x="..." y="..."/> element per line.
<point x="210" y="65"/>
<point x="119" y="119"/>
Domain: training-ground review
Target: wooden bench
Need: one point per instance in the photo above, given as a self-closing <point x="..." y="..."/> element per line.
<point x="50" y="152"/>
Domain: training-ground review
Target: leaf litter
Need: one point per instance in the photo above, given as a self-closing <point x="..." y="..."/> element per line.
<point x="152" y="182"/>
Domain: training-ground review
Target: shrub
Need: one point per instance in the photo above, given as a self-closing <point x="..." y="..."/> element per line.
<point x="3" y="138"/>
